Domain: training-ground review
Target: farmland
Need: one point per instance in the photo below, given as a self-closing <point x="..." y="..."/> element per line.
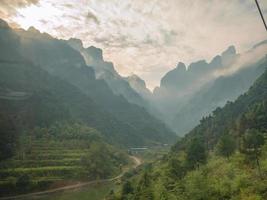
<point x="49" y="162"/>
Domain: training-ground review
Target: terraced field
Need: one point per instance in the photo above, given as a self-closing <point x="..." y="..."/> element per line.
<point x="41" y="165"/>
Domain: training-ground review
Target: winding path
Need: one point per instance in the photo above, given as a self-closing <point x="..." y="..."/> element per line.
<point x="136" y="160"/>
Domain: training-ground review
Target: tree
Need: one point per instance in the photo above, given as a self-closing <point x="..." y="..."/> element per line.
<point x="23" y="182"/>
<point x="226" y="146"/>
<point x="7" y="137"/>
<point x="196" y="153"/>
<point x="144" y="192"/>
<point x="176" y="169"/>
<point x="97" y="162"/>
<point x="253" y="140"/>
<point x="127" y="188"/>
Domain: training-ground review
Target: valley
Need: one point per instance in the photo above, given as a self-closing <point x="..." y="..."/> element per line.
<point x="74" y="125"/>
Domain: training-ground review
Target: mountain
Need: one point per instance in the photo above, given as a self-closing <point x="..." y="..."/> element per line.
<point x="187" y="94"/>
<point x="216" y="94"/>
<point x="119" y="85"/>
<point x="32" y="97"/>
<point x="53" y="77"/>
<point x="105" y="71"/>
<point x="181" y="78"/>
<point x="177" y="85"/>
<point x="139" y="86"/>
<point x="248" y="111"/>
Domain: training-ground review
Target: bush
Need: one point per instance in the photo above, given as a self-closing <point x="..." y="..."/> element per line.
<point x="23" y="182"/>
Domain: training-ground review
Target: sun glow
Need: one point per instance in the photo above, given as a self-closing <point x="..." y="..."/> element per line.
<point x="147" y="38"/>
<point x="36" y="15"/>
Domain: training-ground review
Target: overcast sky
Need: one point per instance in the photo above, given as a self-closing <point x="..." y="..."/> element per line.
<point x="145" y="37"/>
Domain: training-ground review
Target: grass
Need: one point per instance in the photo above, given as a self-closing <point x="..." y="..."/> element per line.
<point x="39" y="171"/>
<point x="29" y="163"/>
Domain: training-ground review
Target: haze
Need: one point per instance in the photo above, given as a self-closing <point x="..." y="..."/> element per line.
<point x="147" y="38"/>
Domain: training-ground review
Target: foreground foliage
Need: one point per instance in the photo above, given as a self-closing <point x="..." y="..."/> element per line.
<point x="223" y="158"/>
<point x="235" y="178"/>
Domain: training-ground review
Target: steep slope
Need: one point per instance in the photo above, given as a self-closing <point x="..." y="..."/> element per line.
<point x="247" y="112"/>
<point x="187" y="94"/>
<point x="46" y="124"/>
<point x="180" y="78"/>
<point x="178" y="85"/>
<point x="119" y="85"/>
<point x="105" y="70"/>
<point x="183" y="81"/>
<point x="216" y="94"/>
<point x="139" y="86"/>
<point x="128" y="123"/>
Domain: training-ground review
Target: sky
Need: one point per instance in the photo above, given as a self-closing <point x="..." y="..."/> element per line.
<point x="145" y="37"/>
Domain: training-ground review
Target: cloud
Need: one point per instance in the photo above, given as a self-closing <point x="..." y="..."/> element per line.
<point x="8" y="8"/>
<point x="245" y="60"/>
<point x="146" y="38"/>
<point x="91" y="16"/>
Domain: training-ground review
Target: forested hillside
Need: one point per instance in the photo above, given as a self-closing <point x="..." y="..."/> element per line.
<point x="188" y="93"/>
<point x="224" y="157"/>
<point x="60" y="60"/>
<point x="247" y="112"/>
<point x="105" y="70"/>
<point x="59" y="125"/>
<point x="56" y="75"/>
<point x="223" y="89"/>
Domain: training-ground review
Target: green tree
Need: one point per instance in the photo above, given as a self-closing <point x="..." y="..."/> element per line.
<point x="127" y="188"/>
<point x="23" y="182"/>
<point x="176" y="168"/>
<point x="98" y="163"/>
<point x="144" y="192"/>
<point x="7" y="137"/>
<point x="226" y="146"/>
<point x="196" y="153"/>
<point x="253" y="141"/>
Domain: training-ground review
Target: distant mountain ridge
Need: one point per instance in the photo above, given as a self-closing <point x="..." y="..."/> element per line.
<point x="186" y="94"/>
<point x="183" y="81"/>
<point x="248" y="111"/>
<point x="105" y="70"/>
<point x="139" y="85"/>
<point x="222" y="90"/>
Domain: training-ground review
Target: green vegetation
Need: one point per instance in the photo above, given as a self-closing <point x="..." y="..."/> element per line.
<point x="252" y="146"/>
<point x="195" y="153"/>
<point x="224" y="157"/>
<point x="226" y="145"/>
<point x="235" y="178"/>
<point x="7" y="137"/>
<point x="64" y="152"/>
<point x="90" y="100"/>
